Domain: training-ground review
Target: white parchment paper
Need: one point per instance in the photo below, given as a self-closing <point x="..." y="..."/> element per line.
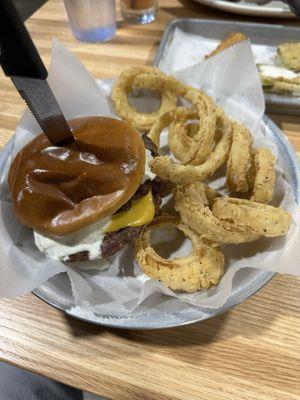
<point x="231" y="78"/>
<point x="197" y="47"/>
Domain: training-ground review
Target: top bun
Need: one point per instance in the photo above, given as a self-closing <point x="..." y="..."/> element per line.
<point x="60" y="190"/>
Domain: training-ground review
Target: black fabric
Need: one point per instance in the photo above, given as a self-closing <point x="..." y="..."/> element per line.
<point x="18" y="384"/>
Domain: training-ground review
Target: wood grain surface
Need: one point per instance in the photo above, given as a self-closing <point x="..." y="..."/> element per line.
<point x="250" y="352"/>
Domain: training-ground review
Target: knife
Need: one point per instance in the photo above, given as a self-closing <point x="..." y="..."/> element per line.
<point x="21" y="61"/>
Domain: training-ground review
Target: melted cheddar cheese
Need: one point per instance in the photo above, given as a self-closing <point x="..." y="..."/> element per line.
<point x="141" y="213"/>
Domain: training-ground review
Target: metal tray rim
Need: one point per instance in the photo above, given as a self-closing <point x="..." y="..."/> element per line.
<point x="272" y="99"/>
<point x="38" y="293"/>
<point x="124" y="322"/>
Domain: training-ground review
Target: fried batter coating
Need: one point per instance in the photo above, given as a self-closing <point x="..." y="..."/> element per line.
<point x="193" y="150"/>
<point x="282" y="87"/>
<point x="125" y="85"/>
<point x="260" y="218"/>
<point x="289" y="54"/>
<point x="204" y="140"/>
<point x="181" y="144"/>
<point x="232" y="39"/>
<point x="177" y="173"/>
<point x="203" y="267"/>
<point x="160" y="124"/>
<point x="192" y="204"/>
<point x="239" y="160"/>
<point x="262" y="174"/>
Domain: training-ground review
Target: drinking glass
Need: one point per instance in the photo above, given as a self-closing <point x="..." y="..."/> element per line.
<point x="139" y="11"/>
<point x="92" y="20"/>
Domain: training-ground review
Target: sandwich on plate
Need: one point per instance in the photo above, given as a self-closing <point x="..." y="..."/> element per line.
<point x="87" y="200"/>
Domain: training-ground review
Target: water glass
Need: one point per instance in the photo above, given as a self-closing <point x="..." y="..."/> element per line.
<point x="92" y="20"/>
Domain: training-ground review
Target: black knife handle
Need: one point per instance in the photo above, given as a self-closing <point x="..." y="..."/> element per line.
<point x="18" y="55"/>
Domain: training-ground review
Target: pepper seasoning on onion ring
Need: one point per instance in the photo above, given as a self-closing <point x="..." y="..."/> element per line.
<point x="160" y="81"/>
<point x="159" y="125"/>
<point x="239" y="160"/>
<point x="259" y="218"/>
<point x="262" y="174"/>
<point x="192" y="204"/>
<point x="125" y="85"/>
<point x="181" y="145"/>
<point x="203" y="140"/>
<point x="167" y="169"/>
<point x="208" y="127"/>
<point x="203" y="267"/>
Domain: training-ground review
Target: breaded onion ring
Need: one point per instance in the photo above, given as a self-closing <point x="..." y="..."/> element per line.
<point x="160" y="81"/>
<point x="190" y="202"/>
<point x="210" y="194"/>
<point x="209" y="125"/>
<point x="263" y="175"/>
<point x="177" y="173"/>
<point x="239" y="160"/>
<point x="159" y="125"/>
<point x="181" y="144"/>
<point x="125" y="85"/>
<point x="260" y="218"/>
<point x="203" y="267"/>
<point x="203" y="141"/>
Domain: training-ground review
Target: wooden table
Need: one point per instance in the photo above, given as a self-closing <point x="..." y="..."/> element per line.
<point x="250" y="352"/>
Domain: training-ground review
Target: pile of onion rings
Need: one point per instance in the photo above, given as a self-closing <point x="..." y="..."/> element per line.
<point x="201" y="139"/>
<point x="226" y="219"/>
<point x="216" y="139"/>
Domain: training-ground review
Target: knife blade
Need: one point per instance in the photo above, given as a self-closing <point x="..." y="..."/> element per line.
<point x="22" y="63"/>
<point x="43" y="105"/>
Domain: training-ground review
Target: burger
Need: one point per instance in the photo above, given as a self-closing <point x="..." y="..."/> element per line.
<point x="86" y="200"/>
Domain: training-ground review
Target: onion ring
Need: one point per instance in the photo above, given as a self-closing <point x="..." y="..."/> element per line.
<point x="181" y="145"/>
<point x="203" y="267"/>
<point x="191" y="204"/>
<point x="239" y="160"/>
<point x="260" y="218"/>
<point x="263" y="171"/>
<point x="161" y="123"/>
<point x="169" y="170"/>
<point x="160" y="81"/>
<point x="125" y="85"/>
<point x="203" y="141"/>
<point x="179" y="141"/>
<point x="209" y="125"/>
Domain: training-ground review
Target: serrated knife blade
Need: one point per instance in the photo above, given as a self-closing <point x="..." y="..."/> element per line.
<point x="21" y="61"/>
<point x="41" y="101"/>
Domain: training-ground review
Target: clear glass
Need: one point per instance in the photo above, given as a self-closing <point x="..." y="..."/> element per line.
<point x="139" y="11"/>
<point x="92" y="20"/>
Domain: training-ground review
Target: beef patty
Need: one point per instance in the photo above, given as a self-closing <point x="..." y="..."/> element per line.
<point x="115" y="241"/>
